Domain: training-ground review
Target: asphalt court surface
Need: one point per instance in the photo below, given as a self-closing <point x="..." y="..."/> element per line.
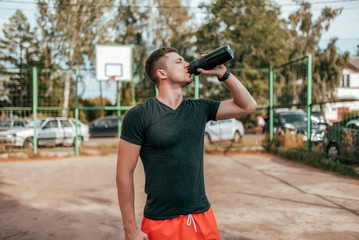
<point x="252" y="196"/>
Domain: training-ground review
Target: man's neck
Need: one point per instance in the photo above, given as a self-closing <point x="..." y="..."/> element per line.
<point x="170" y="97"/>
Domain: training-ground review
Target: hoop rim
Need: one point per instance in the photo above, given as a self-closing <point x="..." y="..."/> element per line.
<point x="113" y="78"/>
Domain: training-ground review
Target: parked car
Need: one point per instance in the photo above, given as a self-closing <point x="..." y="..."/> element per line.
<point x="104" y="127"/>
<point x="295" y="122"/>
<point x="50" y="132"/>
<point x="84" y="128"/>
<point x="13" y="123"/>
<point x="221" y="130"/>
<point x="342" y="139"/>
<point x="320" y="118"/>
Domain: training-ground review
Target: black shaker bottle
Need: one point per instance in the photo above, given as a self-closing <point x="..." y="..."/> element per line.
<point x="219" y="56"/>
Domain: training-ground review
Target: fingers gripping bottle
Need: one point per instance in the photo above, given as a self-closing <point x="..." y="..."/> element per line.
<point x="211" y="60"/>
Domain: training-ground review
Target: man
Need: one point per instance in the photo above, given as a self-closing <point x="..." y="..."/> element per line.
<point x="167" y="132"/>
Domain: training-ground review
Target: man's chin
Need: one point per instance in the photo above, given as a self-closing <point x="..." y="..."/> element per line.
<point x="187" y="83"/>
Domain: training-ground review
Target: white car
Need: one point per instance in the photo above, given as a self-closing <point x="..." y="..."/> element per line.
<point x="9" y="123"/>
<point x="50" y="132"/>
<point x="223" y="130"/>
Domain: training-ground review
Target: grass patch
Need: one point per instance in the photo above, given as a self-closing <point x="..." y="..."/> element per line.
<point x="316" y="158"/>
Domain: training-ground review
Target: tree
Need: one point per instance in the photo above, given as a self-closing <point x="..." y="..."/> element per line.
<point x="327" y="64"/>
<point x="148" y="27"/>
<point x="19" y="51"/>
<point x="256" y="35"/>
<point x="172" y="25"/>
<point x="49" y="79"/>
<point x="4" y="92"/>
<point x="328" y="68"/>
<point x="71" y="29"/>
<point x="130" y="28"/>
<point x="88" y="116"/>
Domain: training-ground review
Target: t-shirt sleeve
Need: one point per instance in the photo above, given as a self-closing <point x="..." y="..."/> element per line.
<point x="133" y="126"/>
<point x="211" y="107"/>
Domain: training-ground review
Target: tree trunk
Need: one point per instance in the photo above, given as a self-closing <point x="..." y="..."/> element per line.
<point x="67" y="85"/>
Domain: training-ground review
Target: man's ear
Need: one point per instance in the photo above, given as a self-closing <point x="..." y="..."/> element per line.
<point x="161" y="74"/>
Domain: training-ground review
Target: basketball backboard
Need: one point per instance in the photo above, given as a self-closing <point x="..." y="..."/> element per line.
<point x="114" y="62"/>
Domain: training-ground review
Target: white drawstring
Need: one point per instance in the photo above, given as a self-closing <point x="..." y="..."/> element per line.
<point x="190" y="219"/>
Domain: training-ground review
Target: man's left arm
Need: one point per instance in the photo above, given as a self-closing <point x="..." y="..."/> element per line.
<point x="241" y="103"/>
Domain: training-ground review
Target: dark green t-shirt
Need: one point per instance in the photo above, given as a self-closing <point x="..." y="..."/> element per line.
<point x="172" y="154"/>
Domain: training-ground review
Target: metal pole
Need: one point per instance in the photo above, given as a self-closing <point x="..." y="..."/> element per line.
<point x="156" y="89"/>
<point x="34" y="107"/>
<point x="132" y="83"/>
<point x="100" y="83"/>
<point x="196" y="89"/>
<point x="309" y="103"/>
<point x="76" y="114"/>
<point x="289" y="63"/>
<point x="271" y="103"/>
<point x="118" y="108"/>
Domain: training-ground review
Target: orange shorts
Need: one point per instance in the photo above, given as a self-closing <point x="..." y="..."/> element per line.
<point x="196" y="226"/>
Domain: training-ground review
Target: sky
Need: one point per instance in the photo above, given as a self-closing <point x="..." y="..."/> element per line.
<point x="345" y="27"/>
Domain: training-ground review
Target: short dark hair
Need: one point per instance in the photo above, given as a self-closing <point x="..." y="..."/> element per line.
<point x="155" y="61"/>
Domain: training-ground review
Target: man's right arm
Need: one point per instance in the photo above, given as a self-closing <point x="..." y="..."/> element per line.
<point x="127" y="158"/>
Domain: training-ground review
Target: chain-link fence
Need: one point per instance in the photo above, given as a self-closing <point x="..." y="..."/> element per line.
<point x="53" y="107"/>
<point x="47" y="103"/>
<point x="340" y="139"/>
<point x="328" y="128"/>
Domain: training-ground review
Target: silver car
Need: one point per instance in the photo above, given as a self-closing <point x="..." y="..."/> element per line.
<point x="223" y="130"/>
<point x="50" y="132"/>
<point x="6" y="124"/>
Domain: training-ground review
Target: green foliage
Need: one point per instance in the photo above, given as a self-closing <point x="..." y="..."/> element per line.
<point x="90" y="115"/>
<point x="328" y="68"/>
<point x="350" y="114"/>
<point x="317" y="160"/>
<point x="70" y="29"/>
<point x="254" y="32"/>
<point x="130" y="28"/>
<point x="305" y="34"/>
<point x="19" y="50"/>
<point x="149" y="28"/>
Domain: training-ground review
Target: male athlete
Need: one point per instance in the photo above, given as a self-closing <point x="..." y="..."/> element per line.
<point x="167" y="132"/>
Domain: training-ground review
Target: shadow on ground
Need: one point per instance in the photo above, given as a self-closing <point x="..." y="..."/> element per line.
<point x="25" y="222"/>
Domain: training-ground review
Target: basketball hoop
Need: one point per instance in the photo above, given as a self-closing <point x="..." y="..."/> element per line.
<point x="113" y="78"/>
<point x="114" y="62"/>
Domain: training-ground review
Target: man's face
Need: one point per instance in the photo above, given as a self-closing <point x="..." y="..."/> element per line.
<point x="177" y="69"/>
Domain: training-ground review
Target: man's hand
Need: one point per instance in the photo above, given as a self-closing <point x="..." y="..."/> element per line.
<point x="218" y="71"/>
<point x="242" y="103"/>
<point x="136" y="235"/>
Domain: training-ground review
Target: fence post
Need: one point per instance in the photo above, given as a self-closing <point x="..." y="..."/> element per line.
<point x="34" y="107"/>
<point x="309" y="102"/>
<point x="196" y="89"/>
<point x="133" y="102"/>
<point x="118" y="108"/>
<point x="271" y="103"/>
<point x="76" y="114"/>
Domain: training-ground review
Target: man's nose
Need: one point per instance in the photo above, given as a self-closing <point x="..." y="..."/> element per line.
<point x="186" y="64"/>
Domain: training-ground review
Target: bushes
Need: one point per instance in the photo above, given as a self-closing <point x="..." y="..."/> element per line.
<point x="316" y="159"/>
<point x="350" y="114"/>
